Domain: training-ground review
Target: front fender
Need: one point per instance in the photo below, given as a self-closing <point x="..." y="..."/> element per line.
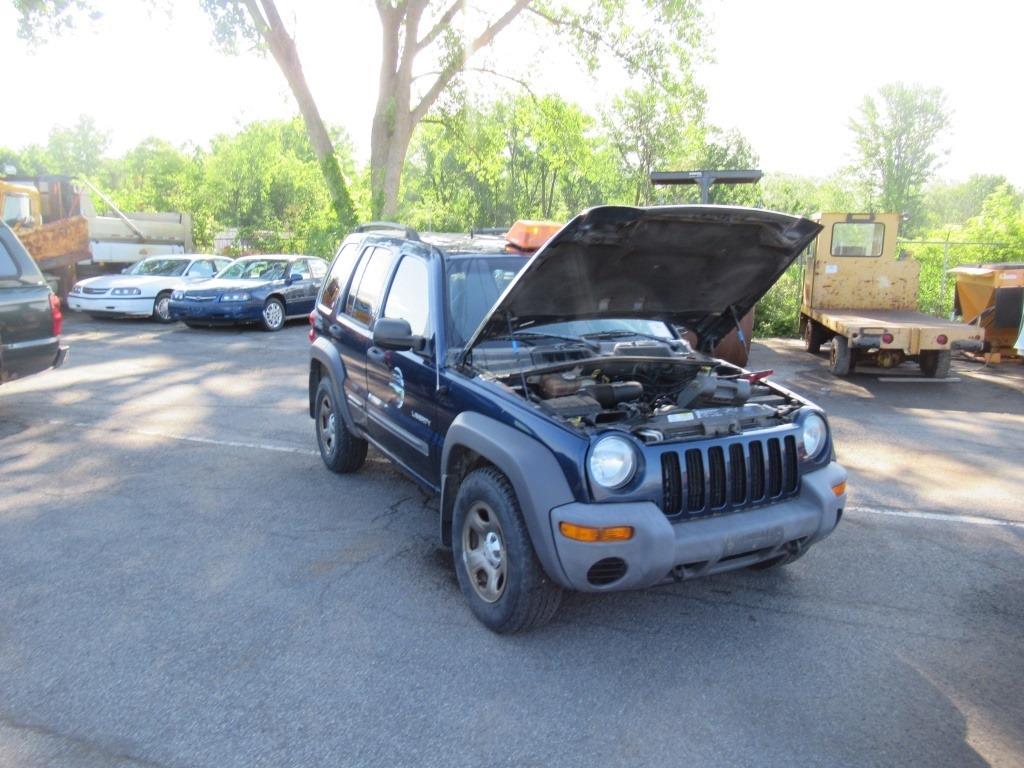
<point x="528" y="464"/>
<point x="323" y="352"/>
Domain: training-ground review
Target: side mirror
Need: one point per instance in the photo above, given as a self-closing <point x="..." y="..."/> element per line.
<point x="125" y="270"/>
<point x="293" y="278"/>
<point x="395" y="333"/>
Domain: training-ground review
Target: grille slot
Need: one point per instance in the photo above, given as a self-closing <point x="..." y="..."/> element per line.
<point x="792" y="470"/>
<point x="716" y="467"/>
<point x="756" y="471"/>
<point x="694" y="480"/>
<point x="737" y="474"/>
<point x="671" y="484"/>
<point x="95" y="291"/>
<point x="774" y="468"/>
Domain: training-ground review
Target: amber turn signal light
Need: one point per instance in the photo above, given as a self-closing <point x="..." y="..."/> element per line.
<point x="840" y="489"/>
<point x="590" y="534"/>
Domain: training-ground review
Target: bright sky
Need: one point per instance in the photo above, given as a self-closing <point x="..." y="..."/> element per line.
<point x="788" y="74"/>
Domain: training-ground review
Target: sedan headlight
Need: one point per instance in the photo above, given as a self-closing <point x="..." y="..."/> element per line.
<point x="235" y="297"/>
<point x="126" y="292"/>
<point x="76" y="288"/>
<point x="815" y="435"/>
<point x="612" y="461"/>
<point x="177" y="295"/>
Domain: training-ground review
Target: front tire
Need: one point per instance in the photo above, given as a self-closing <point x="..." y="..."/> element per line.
<point x="162" y="308"/>
<point x="272" y="317"/>
<point x="341" y="451"/>
<point x="841" y="361"/>
<point x="497" y="568"/>
<point x="935" y="363"/>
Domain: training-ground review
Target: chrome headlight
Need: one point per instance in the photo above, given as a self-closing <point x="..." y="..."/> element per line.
<point x="77" y="288"/>
<point x="815" y="435"/>
<point x="235" y="297"/>
<point x="178" y="295"/>
<point x="126" y="292"/>
<point x="612" y="461"/>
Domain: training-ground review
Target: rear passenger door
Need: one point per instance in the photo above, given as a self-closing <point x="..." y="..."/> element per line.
<point x="300" y="290"/>
<point x="402" y="385"/>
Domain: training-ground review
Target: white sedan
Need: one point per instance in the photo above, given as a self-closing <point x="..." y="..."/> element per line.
<point x="145" y="289"/>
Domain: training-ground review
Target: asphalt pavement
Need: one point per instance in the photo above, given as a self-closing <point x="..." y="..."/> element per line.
<point x="182" y="583"/>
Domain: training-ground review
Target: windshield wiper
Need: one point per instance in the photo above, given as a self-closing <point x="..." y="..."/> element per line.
<point x="623" y="333"/>
<point x="533" y="335"/>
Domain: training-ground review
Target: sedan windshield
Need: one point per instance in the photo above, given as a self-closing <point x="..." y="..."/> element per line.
<point x="255" y="269"/>
<point x="165" y="267"/>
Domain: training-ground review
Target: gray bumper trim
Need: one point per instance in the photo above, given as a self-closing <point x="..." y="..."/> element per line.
<point x="697" y="547"/>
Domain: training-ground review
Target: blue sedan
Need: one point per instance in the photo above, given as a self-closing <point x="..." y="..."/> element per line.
<point x="254" y="289"/>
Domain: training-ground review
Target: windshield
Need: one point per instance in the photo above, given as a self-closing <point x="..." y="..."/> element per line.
<point x="167" y="267"/>
<point x="611" y="326"/>
<point x="255" y="269"/>
<point x="474" y="284"/>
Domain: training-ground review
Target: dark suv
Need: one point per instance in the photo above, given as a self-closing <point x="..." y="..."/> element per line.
<point x="30" y="315"/>
<point x="566" y="407"/>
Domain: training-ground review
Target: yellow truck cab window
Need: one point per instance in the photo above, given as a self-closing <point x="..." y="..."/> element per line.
<point x="858" y="238"/>
<point x="17" y="209"/>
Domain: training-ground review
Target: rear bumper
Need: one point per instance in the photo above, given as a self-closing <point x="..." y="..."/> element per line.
<point x="29" y="357"/>
<point x="215" y="311"/>
<point x="134" y="306"/>
<point x="661" y="550"/>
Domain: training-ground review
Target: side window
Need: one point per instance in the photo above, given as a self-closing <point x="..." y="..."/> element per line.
<point x="317" y="268"/>
<point x="8" y="266"/>
<point x="364" y="295"/>
<point x="220" y="264"/>
<point x="858" y="238"/>
<point x="300" y="268"/>
<point x="338" y="279"/>
<point x="200" y="269"/>
<point x="409" y="297"/>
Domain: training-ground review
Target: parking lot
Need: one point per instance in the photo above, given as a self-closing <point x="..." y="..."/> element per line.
<point x="185" y="584"/>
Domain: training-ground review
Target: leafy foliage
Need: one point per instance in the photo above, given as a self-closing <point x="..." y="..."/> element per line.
<point x="897" y="138"/>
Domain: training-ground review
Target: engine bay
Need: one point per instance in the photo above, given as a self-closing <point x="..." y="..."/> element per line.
<point x="655" y="400"/>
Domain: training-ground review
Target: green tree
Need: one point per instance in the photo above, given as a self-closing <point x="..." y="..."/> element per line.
<point x="897" y="138"/>
<point x="955" y="203"/>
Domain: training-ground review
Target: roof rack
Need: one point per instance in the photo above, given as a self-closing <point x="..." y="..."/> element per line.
<point x="373" y="226"/>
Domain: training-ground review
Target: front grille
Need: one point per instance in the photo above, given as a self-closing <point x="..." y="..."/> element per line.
<point x="94" y="291"/>
<point x="722" y="478"/>
<point x="199" y="297"/>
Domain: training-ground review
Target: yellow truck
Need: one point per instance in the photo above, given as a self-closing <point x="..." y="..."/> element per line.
<point x="860" y="292"/>
<point x="56" y="220"/>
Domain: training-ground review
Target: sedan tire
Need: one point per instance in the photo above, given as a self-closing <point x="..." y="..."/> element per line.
<point x="162" y="308"/>
<point x="272" y="317"/>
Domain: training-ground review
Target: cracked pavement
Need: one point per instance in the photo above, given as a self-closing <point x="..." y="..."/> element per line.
<point x="182" y="583"/>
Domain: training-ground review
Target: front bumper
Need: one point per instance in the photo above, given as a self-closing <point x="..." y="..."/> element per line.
<point x="661" y="550"/>
<point x="215" y="311"/>
<point x="135" y="306"/>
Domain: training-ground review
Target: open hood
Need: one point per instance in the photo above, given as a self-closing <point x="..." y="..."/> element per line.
<point x="698" y="266"/>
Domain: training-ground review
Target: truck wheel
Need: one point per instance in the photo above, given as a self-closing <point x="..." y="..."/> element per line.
<point x="814" y="336"/>
<point x="496" y="565"/>
<point x="935" y="363"/>
<point x="341" y="451"/>
<point x="162" y="308"/>
<point x="272" y="317"/>
<point x="840" y="360"/>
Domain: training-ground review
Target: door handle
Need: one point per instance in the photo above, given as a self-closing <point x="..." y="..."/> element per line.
<point x="375" y="354"/>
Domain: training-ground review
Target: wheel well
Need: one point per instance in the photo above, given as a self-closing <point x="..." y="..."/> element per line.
<point x="316" y="373"/>
<point x="461" y="462"/>
<point x="277" y="296"/>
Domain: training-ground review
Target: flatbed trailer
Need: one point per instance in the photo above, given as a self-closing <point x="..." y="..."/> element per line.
<point x="861" y="294"/>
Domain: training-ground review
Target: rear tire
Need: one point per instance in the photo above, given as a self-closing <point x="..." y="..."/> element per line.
<point x="341" y="451"/>
<point x="497" y="567"/>
<point x="162" y="308"/>
<point x="935" y="363"/>
<point x="814" y="336"/>
<point x="272" y="317"/>
<point x="841" y="362"/>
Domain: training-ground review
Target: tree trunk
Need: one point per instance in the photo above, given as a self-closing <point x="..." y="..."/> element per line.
<point x="283" y="49"/>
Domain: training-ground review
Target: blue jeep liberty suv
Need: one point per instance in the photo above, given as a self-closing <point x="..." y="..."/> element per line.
<point x="566" y="407"/>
